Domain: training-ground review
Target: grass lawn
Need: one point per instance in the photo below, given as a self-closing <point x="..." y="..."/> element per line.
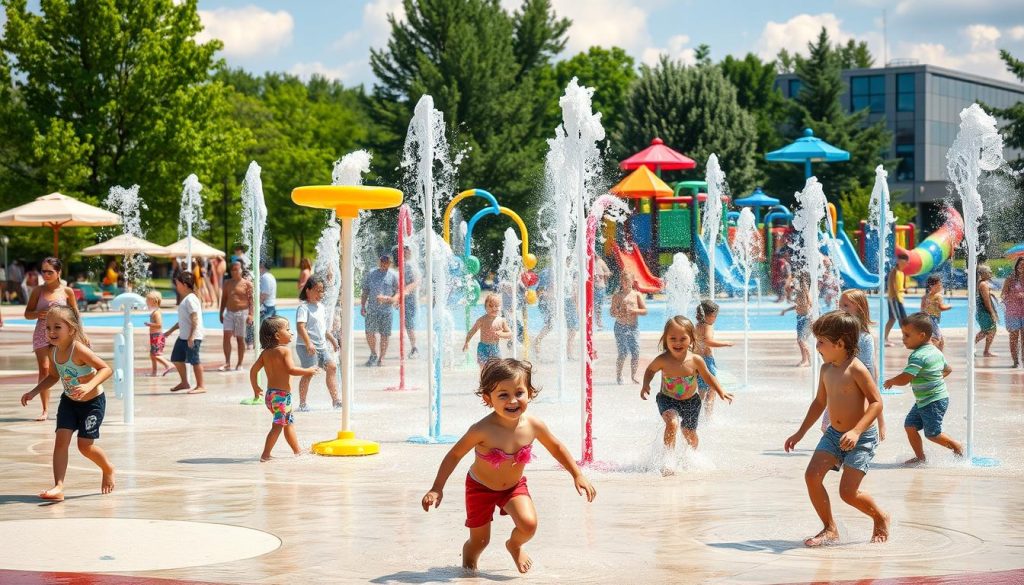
<point x="287" y="278"/>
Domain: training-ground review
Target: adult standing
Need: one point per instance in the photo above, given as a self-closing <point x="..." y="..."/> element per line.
<point x="1013" y="300"/>
<point x="412" y="284"/>
<point x="15" y="274"/>
<point x="380" y="286"/>
<point x="52" y="293"/>
<point x="305" y="271"/>
<point x="236" y="313"/>
<point x="985" y="311"/>
<point x="268" y="292"/>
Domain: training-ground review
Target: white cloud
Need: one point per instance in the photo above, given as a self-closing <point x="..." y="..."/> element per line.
<point x="605" y="23"/>
<point x="1016" y="33"/>
<point x="342" y="72"/>
<point x="983" y="62"/>
<point x="375" y="28"/>
<point x="247" y="31"/>
<point x="982" y="36"/>
<point x="676" y="50"/>
<point x="794" y="34"/>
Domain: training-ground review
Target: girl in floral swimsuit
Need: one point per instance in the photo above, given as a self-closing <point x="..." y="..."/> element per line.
<point x="503" y="443"/>
<point x="678" y="399"/>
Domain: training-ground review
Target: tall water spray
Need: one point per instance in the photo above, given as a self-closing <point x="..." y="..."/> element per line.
<point x="509" y="271"/>
<point x="349" y="170"/>
<point x="254" y="227"/>
<point x="746" y="248"/>
<point x="127" y="204"/>
<point x="807" y="223"/>
<point x="978" y="147"/>
<point x="880" y="215"/>
<point x="190" y="218"/>
<point x="430" y="170"/>
<point x="681" y="288"/>
<point x="572" y="179"/>
<point x="712" y="221"/>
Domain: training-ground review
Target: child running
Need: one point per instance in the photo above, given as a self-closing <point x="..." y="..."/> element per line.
<point x="492" y="327"/>
<point x="933" y="304"/>
<point x="851" y="395"/>
<point x="678" y="401"/>
<point x="925" y="372"/>
<point x="802" y="305"/>
<point x="276" y="360"/>
<point x="707" y="314"/>
<point x="313" y="337"/>
<point x="83" y="403"/>
<point x="627" y="304"/>
<point x="503" y="442"/>
<point x="855" y="302"/>
<point x="157" y="341"/>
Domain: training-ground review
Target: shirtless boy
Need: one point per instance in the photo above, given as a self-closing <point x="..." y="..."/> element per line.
<point x="853" y="401"/>
<point x="235" y="313"/>
<point x="492" y="330"/>
<point x="627" y="304"/>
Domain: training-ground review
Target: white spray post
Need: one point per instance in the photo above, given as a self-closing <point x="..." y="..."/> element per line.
<point x="880" y="215"/>
<point x="978" y="147"/>
<point x="711" y="223"/>
<point x="124" y="353"/>
<point x="807" y="222"/>
<point x="745" y="247"/>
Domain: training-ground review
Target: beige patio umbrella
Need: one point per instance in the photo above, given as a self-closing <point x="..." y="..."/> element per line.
<point x="56" y="211"/>
<point x="199" y="249"/>
<point x="125" y="245"/>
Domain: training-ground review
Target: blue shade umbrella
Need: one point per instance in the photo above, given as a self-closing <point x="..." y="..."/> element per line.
<point x="808" y="149"/>
<point x="757" y="200"/>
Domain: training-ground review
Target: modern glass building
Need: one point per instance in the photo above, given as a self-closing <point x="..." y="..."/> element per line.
<point x="921" y="105"/>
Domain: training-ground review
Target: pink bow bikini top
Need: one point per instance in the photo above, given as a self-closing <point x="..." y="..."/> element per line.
<point x="496" y="456"/>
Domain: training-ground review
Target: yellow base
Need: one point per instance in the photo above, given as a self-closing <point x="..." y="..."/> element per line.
<point x="346" y="445"/>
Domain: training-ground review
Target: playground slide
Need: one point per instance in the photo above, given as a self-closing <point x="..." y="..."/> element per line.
<point x="633" y="261"/>
<point x="937" y="247"/>
<point x="728" y="275"/>
<point x="851" y="269"/>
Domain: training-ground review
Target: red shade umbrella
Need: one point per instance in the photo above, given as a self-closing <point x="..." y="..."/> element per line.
<point x="658" y="157"/>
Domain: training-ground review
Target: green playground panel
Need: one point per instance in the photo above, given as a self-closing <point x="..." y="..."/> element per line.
<point x="674" y="228"/>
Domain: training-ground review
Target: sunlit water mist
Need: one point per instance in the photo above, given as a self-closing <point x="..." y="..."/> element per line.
<point x="126" y="203"/>
<point x="712" y="215"/>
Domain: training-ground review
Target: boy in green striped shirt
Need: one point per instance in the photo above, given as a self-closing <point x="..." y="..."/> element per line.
<point x="925" y="372"/>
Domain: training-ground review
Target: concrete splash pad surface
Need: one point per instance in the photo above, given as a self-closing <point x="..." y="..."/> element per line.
<point x="735" y="512"/>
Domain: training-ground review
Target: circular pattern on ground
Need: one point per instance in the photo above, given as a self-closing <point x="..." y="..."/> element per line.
<point x="126" y="544"/>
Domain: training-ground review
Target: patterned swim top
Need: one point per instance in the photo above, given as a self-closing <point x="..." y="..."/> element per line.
<point x="496" y="456"/>
<point x="69" y="372"/>
<point x="679" y="387"/>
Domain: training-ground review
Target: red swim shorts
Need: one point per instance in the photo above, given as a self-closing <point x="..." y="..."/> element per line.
<point x="481" y="500"/>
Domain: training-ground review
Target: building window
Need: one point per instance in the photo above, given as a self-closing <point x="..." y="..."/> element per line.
<point x="905" y="170"/>
<point x="905" y="92"/>
<point x="795" y="85"/>
<point x="867" y="91"/>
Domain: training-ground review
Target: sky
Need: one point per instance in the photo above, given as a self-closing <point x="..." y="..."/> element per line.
<point x="333" y="37"/>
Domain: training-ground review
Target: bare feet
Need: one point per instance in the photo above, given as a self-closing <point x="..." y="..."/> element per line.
<point x="168" y="370"/>
<point x="265" y="458"/>
<point x="881" y="531"/>
<point x="667" y="471"/>
<point x="56" y="493"/>
<point x="197" y="390"/>
<point x="914" y="462"/>
<point x="224" y="368"/>
<point x="989" y="354"/>
<point x="107" y="485"/>
<point x="635" y="381"/>
<point x="42" y="416"/>
<point x="958" y="450"/>
<point x="180" y="387"/>
<point x="522" y="560"/>
<point x="827" y="537"/>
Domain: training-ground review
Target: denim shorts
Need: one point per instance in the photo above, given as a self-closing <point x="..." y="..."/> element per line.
<point x="702" y="385"/>
<point x="1013" y="322"/>
<point x="859" y="457"/>
<point x="927" y="417"/>
<point x="627" y="340"/>
<point x="803" y="327"/>
<point x="183" y="353"/>
<point x="320" y="358"/>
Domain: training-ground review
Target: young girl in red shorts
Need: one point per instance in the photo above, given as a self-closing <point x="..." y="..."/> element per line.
<point x="503" y="442"/>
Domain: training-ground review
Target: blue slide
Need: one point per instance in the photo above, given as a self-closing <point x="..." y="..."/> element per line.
<point x="852" y="270"/>
<point x="728" y="275"/>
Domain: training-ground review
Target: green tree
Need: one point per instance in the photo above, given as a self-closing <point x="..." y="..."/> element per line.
<point x="465" y="54"/>
<point x="1006" y="222"/>
<point x="854" y="205"/>
<point x="756" y="93"/>
<point x="1013" y="132"/>
<point x="855" y="55"/>
<point x="695" y="111"/>
<point x="818" y="106"/>
<point x="105" y="92"/>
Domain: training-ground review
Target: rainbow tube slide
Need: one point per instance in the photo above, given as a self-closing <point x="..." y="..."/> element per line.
<point x="937" y="247"/>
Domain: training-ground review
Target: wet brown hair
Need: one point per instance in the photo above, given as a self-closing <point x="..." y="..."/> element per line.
<point x="269" y="329"/>
<point x="920" y="322"/>
<point x="496" y="371"/>
<point x="186" y="278"/>
<point x="838" y="326"/>
<point x="70" y="318"/>
<point x="678" y="321"/>
<point x="859" y="300"/>
<point x="705" y="309"/>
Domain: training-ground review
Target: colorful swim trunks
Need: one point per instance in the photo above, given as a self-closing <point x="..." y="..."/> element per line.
<point x="157" y="341"/>
<point x="279" y="402"/>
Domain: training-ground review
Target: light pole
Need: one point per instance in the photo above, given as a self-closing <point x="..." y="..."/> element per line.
<point x="4" y="240"/>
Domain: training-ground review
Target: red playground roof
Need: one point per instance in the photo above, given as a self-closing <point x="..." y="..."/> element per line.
<point x="658" y="156"/>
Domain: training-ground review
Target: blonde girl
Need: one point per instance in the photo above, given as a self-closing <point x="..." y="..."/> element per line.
<point x="157" y="341"/>
<point x="678" y="400"/>
<point x="82" y="404"/>
<point x="502" y="443"/>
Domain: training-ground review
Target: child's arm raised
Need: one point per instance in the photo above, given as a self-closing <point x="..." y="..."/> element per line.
<point x="471" y="333"/>
<point x="862" y="378"/>
<point x="561" y="454"/>
<point x="652" y="368"/>
<point x="254" y="376"/>
<point x="471" y="439"/>
<point x="702" y="369"/>
<point x="813" y="412"/>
